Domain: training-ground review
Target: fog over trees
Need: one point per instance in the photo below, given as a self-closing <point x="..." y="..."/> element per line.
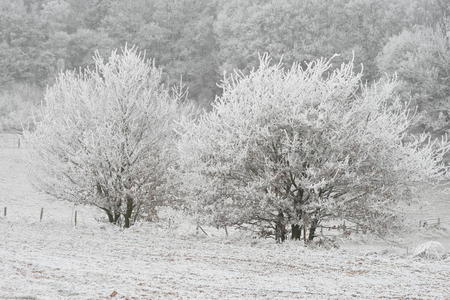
<point x="199" y="39"/>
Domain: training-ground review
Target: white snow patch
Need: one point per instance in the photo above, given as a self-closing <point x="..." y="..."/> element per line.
<point x="430" y="250"/>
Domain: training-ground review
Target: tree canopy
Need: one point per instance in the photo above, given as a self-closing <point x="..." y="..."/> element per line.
<point x="306" y="144"/>
<point x="106" y="137"/>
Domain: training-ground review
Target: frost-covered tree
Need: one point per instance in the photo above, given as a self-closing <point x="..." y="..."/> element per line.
<point x="421" y="59"/>
<point x="301" y="145"/>
<point x="105" y="137"/>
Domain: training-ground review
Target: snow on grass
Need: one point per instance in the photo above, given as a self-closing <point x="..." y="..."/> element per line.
<point x="24" y="203"/>
<point x="53" y="259"/>
<point x="430" y="250"/>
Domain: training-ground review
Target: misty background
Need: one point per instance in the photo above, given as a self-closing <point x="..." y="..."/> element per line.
<point x="196" y="41"/>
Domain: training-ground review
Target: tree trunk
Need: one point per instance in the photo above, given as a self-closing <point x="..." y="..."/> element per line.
<point x="305" y="223"/>
<point x="109" y="214"/>
<point x="116" y="217"/>
<point x="296" y="232"/>
<point x="296" y="229"/>
<point x="136" y="213"/>
<point x="312" y="229"/>
<point x="280" y="229"/>
<point x="128" y="212"/>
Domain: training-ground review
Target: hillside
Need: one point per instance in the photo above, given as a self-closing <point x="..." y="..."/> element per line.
<point x="53" y="259"/>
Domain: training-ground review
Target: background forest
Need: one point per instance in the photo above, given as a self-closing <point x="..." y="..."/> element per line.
<point x="196" y="41"/>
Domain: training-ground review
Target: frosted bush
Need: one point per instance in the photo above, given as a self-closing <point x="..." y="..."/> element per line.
<point x="430" y="250"/>
<point x="106" y="138"/>
<point x="302" y="145"/>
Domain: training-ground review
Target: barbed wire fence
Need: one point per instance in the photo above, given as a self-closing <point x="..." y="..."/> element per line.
<point x="40" y="215"/>
<point x="16" y="141"/>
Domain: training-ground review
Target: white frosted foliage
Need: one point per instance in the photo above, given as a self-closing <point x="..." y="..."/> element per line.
<point x="106" y="136"/>
<point x="304" y="144"/>
<point x="430" y="250"/>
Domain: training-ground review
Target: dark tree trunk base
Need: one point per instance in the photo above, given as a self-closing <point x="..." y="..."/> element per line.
<point x="110" y="216"/>
<point x="280" y="228"/>
<point x="312" y="229"/>
<point x="116" y="217"/>
<point x="129" y="211"/>
<point x="296" y="232"/>
<point x="113" y="217"/>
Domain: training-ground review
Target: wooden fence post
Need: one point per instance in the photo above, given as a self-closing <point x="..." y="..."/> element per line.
<point x="75" y="218"/>
<point x="4" y="211"/>
<point x="42" y="214"/>
<point x="18" y="142"/>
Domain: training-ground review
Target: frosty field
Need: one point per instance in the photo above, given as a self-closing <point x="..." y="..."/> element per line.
<point x="53" y="259"/>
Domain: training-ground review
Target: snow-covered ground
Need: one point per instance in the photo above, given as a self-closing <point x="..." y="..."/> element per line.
<point x="53" y="259"/>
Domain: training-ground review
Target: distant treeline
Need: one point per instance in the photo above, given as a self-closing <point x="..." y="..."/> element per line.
<point x="197" y="40"/>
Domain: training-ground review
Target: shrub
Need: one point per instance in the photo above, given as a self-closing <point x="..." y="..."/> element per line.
<point x="298" y="146"/>
<point x="430" y="250"/>
<point x="106" y="137"/>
